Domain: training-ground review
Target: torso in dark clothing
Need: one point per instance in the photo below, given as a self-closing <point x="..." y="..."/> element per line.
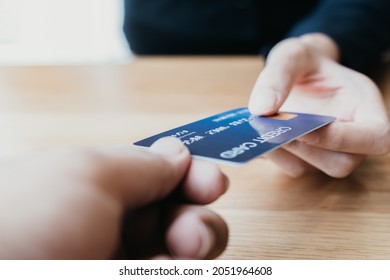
<point x="360" y="28"/>
<point x="209" y="26"/>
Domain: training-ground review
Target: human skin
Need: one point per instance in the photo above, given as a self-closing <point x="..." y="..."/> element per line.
<point x="120" y="202"/>
<point x="303" y="75"/>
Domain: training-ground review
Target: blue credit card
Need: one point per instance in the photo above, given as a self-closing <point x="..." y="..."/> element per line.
<point x="236" y="136"/>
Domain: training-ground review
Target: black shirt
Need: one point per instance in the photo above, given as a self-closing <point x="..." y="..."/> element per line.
<point x="361" y="28"/>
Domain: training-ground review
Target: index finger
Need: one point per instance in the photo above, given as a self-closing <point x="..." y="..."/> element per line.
<point x="286" y="63"/>
<point x="369" y="137"/>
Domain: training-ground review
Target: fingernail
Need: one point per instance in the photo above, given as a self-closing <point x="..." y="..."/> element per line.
<point x="168" y="146"/>
<point x="206" y="236"/>
<point x="263" y="105"/>
<point x="227" y="183"/>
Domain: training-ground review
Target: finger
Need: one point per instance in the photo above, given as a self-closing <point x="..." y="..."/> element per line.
<point x="370" y="138"/>
<point x="173" y="231"/>
<point x="289" y="163"/>
<point x="196" y="233"/>
<point x="286" y="63"/>
<point x="334" y="164"/>
<point x="137" y="177"/>
<point x="204" y="182"/>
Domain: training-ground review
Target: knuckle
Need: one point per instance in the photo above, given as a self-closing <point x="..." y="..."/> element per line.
<point x="298" y="49"/>
<point x="293" y="48"/>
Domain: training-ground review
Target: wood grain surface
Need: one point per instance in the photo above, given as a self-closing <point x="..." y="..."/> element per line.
<point x="270" y="215"/>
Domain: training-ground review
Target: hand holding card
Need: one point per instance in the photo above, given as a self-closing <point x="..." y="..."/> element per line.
<point x="236" y="136"/>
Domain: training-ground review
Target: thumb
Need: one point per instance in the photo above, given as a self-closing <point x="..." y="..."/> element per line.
<point x="138" y="177"/>
<point x="286" y="63"/>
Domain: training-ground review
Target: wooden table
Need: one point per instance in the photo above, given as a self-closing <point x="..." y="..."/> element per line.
<point x="270" y="215"/>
